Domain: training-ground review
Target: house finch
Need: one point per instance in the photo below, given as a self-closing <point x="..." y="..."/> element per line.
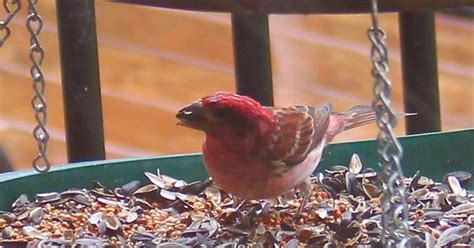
<point x="259" y="152"/>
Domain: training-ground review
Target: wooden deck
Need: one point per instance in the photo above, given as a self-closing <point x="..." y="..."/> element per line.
<point x="152" y="61"/>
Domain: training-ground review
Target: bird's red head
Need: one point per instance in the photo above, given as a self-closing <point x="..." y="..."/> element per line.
<point x="236" y="106"/>
<point x="224" y="114"/>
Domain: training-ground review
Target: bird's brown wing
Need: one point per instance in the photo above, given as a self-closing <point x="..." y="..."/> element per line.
<point x="298" y="130"/>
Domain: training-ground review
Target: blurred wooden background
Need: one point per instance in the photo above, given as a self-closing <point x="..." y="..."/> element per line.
<point x="153" y="61"/>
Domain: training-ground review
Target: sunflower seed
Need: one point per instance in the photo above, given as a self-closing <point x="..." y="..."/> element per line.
<point x="142" y="236"/>
<point x="110" y="202"/>
<point x="150" y="188"/>
<point x="214" y="195"/>
<point x="89" y="242"/>
<point x="168" y="195"/>
<point x="48" y="197"/>
<point x="452" y="234"/>
<point x="33" y="232"/>
<point x="371" y="190"/>
<point x="20" y="201"/>
<point x="355" y="165"/>
<point x="461" y="176"/>
<point x="455" y="186"/>
<point x="95" y="218"/>
<point x="81" y="199"/>
<point x="156" y="180"/>
<point x="337" y="169"/>
<point x="35" y="215"/>
<point x="129" y="188"/>
<point x="111" y="222"/>
<point x="465" y="208"/>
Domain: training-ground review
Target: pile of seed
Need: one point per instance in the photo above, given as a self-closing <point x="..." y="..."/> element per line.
<point x="343" y="210"/>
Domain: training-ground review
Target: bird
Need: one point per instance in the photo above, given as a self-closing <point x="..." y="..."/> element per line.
<point x="261" y="152"/>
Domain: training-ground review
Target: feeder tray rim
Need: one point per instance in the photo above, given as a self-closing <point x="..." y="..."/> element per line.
<point x="299" y="6"/>
<point x="8" y="176"/>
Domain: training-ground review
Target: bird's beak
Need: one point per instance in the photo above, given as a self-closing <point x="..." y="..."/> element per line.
<point x="194" y="116"/>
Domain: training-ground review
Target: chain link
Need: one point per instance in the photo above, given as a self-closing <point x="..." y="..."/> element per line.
<point x="11" y="7"/>
<point x="395" y="217"/>
<point x="34" y="24"/>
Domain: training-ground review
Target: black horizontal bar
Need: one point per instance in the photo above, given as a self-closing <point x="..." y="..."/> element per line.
<point x="301" y="6"/>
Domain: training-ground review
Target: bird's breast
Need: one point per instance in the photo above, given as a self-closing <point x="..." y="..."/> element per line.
<point x="250" y="176"/>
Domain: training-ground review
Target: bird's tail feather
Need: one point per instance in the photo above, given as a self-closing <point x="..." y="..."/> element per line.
<point x="357" y="116"/>
<point x="362" y="114"/>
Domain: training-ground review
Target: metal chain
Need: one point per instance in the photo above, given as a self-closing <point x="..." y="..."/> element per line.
<point x="34" y="24"/>
<point x="395" y="217"/>
<point x="11" y="7"/>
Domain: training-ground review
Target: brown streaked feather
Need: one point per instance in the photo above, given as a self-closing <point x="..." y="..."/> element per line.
<point x="299" y="129"/>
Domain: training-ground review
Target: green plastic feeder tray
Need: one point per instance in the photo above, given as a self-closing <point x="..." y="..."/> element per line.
<point x="433" y="154"/>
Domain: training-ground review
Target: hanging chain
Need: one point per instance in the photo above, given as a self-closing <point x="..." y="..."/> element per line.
<point x="11" y="7"/>
<point x="395" y="217"/>
<point x="34" y="24"/>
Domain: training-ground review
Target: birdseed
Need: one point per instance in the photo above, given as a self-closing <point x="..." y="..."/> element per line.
<point x="343" y="210"/>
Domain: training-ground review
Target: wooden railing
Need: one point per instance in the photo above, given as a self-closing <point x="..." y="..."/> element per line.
<point x="79" y="60"/>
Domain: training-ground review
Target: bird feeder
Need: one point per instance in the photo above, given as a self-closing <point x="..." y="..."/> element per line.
<point x="427" y="150"/>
